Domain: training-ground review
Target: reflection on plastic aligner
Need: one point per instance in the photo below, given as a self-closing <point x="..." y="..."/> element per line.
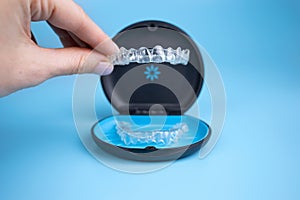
<point x="156" y="55"/>
<point x="162" y="137"/>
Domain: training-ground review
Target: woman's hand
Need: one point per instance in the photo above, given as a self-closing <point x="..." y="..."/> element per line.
<point x="24" y="64"/>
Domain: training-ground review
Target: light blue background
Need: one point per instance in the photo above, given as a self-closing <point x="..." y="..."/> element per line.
<point x="256" y="45"/>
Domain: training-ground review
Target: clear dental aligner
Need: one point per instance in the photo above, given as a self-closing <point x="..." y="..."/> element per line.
<point x="155" y="55"/>
<point x="162" y="137"/>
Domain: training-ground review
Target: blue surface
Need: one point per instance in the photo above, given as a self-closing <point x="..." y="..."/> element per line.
<point x="256" y="46"/>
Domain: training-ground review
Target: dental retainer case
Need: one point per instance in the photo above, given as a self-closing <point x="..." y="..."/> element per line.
<point x="152" y="98"/>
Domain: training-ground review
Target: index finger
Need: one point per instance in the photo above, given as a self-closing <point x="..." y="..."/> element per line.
<point x="69" y="16"/>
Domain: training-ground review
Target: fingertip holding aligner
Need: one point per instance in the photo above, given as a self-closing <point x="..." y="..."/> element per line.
<point x="162" y="137"/>
<point x="155" y="55"/>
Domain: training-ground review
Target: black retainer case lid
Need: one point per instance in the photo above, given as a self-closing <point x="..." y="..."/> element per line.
<point x="177" y="86"/>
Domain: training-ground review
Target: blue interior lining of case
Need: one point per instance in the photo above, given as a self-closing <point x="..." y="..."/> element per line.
<point x="105" y="129"/>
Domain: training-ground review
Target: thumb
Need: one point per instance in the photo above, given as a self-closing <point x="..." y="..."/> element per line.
<point x="73" y="60"/>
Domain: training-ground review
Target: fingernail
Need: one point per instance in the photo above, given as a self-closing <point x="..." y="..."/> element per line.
<point x="111" y="47"/>
<point x="108" y="47"/>
<point x="116" y="49"/>
<point x="104" y="68"/>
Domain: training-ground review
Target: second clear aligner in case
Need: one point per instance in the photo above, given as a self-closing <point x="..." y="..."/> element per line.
<point x="156" y="55"/>
<point x="133" y="135"/>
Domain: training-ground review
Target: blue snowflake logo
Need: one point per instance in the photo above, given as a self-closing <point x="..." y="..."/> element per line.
<point x="152" y="72"/>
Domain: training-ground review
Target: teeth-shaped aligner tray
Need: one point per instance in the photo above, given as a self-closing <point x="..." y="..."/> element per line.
<point x="155" y="55"/>
<point x="161" y="137"/>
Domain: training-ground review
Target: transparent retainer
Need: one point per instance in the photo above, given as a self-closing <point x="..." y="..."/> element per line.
<point x="160" y="136"/>
<point x="155" y="55"/>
